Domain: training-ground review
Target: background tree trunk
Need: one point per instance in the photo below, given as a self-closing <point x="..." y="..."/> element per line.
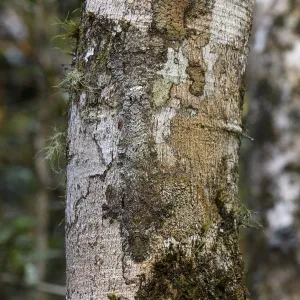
<point x="42" y="206"/>
<point x="154" y="133"/>
<point x="274" y="159"/>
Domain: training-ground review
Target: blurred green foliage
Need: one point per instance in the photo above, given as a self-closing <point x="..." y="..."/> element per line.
<point x="16" y="244"/>
<point x="30" y="107"/>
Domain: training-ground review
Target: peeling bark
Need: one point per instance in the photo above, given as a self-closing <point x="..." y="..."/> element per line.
<point x="153" y="145"/>
<point x="273" y="169"/>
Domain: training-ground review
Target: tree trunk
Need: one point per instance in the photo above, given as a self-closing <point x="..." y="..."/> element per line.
<point x="154" y="133"/>
<point x="273" y="83"/>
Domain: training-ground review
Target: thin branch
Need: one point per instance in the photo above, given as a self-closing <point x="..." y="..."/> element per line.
<point x="45" y="287"/>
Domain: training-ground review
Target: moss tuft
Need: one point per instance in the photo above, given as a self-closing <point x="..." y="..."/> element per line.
<point x="55" y="149"/>
<point x="71" y="28"/>
<point x="113" y="297"/>
<point x="132" y="4"/>
<point x="180" y="276"/>
<point x="91" y="16"/>
<point x="74" y="80"/>
<point x="102" y="57"/>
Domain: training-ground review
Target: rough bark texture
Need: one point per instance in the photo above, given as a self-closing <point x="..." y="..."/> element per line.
<point x="154" y="134"/>
<point x="273" y="83"/>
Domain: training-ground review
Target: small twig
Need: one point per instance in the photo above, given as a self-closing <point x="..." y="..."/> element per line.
<point x="231" y="127"/>
<point x="131" y="4"/>
<point x="221" y="125"/>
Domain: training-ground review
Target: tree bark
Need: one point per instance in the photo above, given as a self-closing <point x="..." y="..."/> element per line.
<point x="153" y="139"/>
<point x="274" y="159"/>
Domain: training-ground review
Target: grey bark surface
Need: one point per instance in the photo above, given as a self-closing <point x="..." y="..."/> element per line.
<point x="153" y="139"/>
<point x="274" y="158"/>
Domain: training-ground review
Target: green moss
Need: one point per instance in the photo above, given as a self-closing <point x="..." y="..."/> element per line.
<point x="232" y="212"/>
<point x="102" y="57"/>
<point x="132" y="4"/>
<point x="91" y="16"/>
<point x="245" y="217"/>
<point x="206" y="227"/>
<point x="180" y="276"/>
<point x="71" y="27"/>
<point x="113" y="297"/>
<point x="55" y="149"/>
<point x="74" y="80"/>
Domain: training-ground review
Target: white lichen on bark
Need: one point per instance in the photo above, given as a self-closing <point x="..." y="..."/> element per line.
<point x="174" y="69"/>
<point x="117" y="10"/>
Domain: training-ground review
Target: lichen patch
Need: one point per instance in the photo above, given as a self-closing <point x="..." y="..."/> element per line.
<point x="175" y="68"/>
<point x="161" y="91"/>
